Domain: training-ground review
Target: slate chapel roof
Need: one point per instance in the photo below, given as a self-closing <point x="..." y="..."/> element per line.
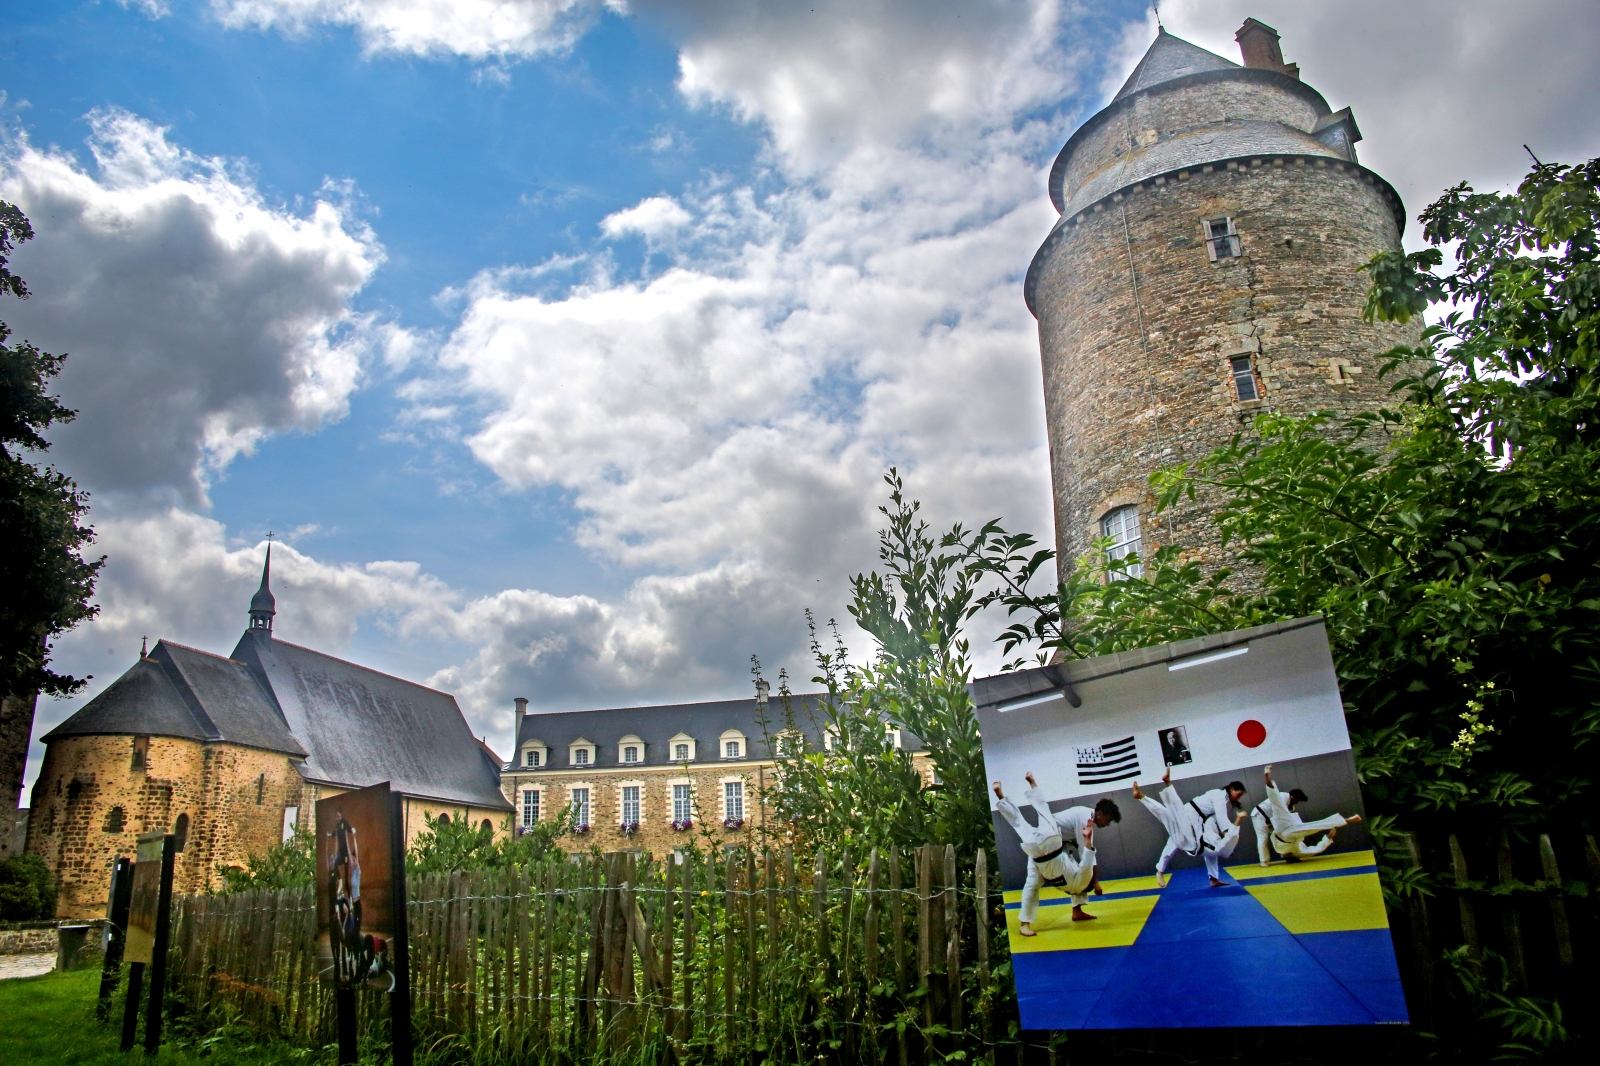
<point x="344" y="724"/>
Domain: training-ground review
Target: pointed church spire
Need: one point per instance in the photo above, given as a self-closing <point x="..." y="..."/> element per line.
<point x="262" y="605"/>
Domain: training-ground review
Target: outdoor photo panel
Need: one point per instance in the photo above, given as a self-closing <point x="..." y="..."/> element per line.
<point x="145" y="903"/>
<point x="355" y="883"/>
<point x="1293" y="932"/>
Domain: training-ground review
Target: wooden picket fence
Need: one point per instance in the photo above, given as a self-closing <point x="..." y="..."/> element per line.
<point x="760" y="957"/>
<point x="739" y="954"/>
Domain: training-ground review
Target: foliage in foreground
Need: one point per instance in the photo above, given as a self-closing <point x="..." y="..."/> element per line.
<point x="444" y="846"/>
<point x="26" y="888"/>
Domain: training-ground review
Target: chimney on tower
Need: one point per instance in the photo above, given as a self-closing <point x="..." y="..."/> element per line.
<point x="1258" y="44"/>
<point x="516" y="727"/>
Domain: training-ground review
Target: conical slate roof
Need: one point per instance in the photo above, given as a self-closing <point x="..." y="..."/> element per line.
<point x="1170" y="57"/>
<point x="262" y="602"/>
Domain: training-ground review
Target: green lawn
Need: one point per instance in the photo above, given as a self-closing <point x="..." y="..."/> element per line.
<point x="50" y="1019"/>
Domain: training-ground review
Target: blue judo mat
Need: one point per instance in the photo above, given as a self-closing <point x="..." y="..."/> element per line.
<point x="1213" y="957"/>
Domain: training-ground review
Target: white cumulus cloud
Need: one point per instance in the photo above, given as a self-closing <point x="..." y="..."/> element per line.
<point x="198" y="317"/>
<point x="651" y="218"/>
<point x="476" y="29"/>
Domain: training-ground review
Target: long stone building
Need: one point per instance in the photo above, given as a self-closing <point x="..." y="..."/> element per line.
<point x="1206" y="267"/>
<point x="656" y="778"/>
<point x="231" y="753"/>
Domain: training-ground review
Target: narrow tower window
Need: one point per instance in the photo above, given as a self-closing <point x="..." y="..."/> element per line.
<point x="1222" y="240"/>
<point x="115" y="820"/>
<point x="1122" y="526"/>
<point x="1244" y="378"/>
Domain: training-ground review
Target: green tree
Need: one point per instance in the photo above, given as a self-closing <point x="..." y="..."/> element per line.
<point x="290" y="864"/>
<point x="48" y="583"/>
<point x="867" y="791"/>
<point x="26" y="889"/>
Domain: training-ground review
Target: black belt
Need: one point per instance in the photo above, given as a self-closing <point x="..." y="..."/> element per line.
<point x="1056" y="854"/>
<point x="1203" y="816"/>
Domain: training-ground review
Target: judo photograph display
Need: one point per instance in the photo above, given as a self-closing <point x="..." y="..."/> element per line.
<point x="1172" y="814"/>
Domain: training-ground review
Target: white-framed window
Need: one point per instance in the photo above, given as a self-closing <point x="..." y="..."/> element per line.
<point x="291" y="821"/>
<point x="580" y="756"/>
<point x="630" y="750"/>
<point x="630" y="804"/>
<point x="895" y="739"/>
<point x="1122" y="525"/>
<point x="530" y="806"/>
<point x="580" y="805"/>
<point x="1242" y="368"/>
<point x="732" y="744"/>
<point x="682" y="747"/>
<point x="682" y="803"/>
<point x="733" y="800"/>
<point x="582" y="752"/>
<point x="831" y="741"/>
<point x="532" y="758"/>
<point x="1222" y="239"/>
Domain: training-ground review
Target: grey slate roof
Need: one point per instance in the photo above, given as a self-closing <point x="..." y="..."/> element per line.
<point x="656" y="726"/>
<point x="185" y="692"/>
<point x="361" y="727"/>
<point x="1191" y="150"/>
<point x="1170" y="57"/>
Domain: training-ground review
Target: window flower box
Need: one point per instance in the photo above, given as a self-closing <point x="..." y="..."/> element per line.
<point x="733" y="823"/>
<point x="683" y="826"/>
<point x="584" y="828"/>
<point x="629" y="828"/>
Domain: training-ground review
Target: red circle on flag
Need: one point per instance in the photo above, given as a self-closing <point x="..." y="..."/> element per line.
<point x="1252" y="733"/>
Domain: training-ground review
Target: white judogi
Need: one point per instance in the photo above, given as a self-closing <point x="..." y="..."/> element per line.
<point x="1219" y="836"/>
<point x="1286" y="830"/>
<point x="1182" y="823"/>
<point x="1048" y="860"/>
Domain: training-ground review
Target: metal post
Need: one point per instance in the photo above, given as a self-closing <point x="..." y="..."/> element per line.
<point x="116" y="925"/>
<point x="400" y="998"/>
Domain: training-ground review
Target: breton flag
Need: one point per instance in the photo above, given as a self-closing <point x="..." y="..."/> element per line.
<point x="1116" y="761"/>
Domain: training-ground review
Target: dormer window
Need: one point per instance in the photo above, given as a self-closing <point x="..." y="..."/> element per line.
<point x="733" y="744"/>
<point x="630" y="750"/>
<point x="580" y="756"/>
<point x="1222" y="239"/>
<point x="531" y="758"/>
<point x="582" y="752"/>
<point x="682" y="747"/>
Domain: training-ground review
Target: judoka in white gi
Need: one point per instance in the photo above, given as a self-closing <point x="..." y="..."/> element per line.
<point x="1182" y="822"/>
<point x="1279" y="829"/>
<point x="1060" y="849"/>
<point x="1220" y="812"/>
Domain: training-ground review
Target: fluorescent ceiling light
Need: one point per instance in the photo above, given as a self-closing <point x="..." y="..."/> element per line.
<point x="1030" y="701"/>
<point x="1184" y="664"/>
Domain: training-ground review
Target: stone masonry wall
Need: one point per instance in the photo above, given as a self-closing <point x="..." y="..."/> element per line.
<point x="655" y="832"/>
<point x="1175" y="111"/>
<point x="1291" y="301"/>
<point x="85" y="778"/>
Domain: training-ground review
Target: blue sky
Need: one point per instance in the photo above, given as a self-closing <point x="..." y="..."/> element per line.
<point x="565" y="343"/>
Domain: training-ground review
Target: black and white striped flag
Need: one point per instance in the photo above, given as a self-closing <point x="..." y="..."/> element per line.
<point x="1116" y="761"/>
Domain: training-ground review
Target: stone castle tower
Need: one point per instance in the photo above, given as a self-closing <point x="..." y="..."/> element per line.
<point x="1206" y="267"/>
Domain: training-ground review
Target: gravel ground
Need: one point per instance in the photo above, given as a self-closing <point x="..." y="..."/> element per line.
<point x="26" y="965"/>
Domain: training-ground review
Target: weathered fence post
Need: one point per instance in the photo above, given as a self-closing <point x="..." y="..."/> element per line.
<point x="1421" y="935"/>
<point x="1511" y="918"/>
<point x="1469" y="919"/>
<point x="1558" y="903"/>
<point x="980" y="891"/>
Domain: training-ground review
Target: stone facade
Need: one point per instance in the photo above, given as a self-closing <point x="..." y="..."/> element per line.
<point x="655" y="832"/>
<point x="1141" y="326"/>
<point x="96" y="794"/>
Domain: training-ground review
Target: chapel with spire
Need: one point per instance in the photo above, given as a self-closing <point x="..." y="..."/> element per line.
<point x="230" y="754"/>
